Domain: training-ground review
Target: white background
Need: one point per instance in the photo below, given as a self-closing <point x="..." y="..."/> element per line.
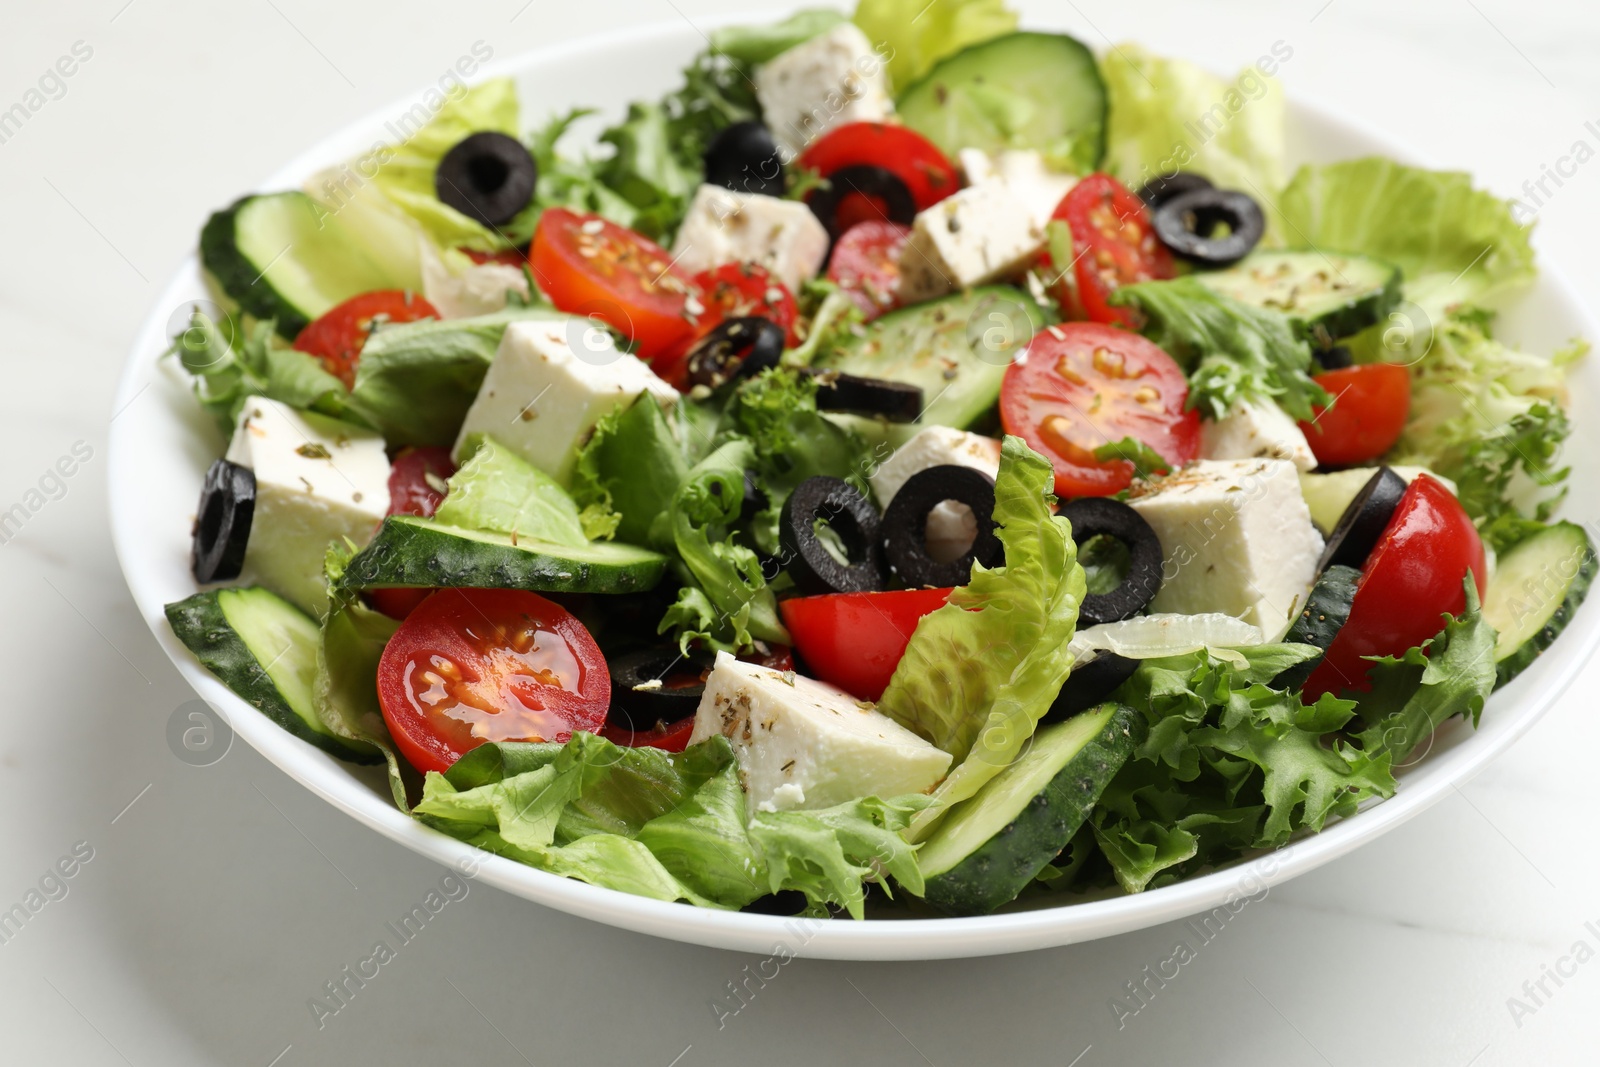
<point x="225" y="896"/>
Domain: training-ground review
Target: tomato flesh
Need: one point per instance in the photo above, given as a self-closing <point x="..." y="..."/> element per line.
<point x="337" y="336"/>
<point x="866" y="264"/>
<point x="1368" y="414"/>
<point x="927" y="172"/>
<point x="1414" y="576"/>
<point x="1113" y="245"/>
<point x="667" y="736"/>
<point x="855" y="640"/>
<point x="470" y="666"/>
<point x="412" y="493"/>
<point x="588" y="265"/>
<point x="735" y="290"/>
<point x="1082" y="385"/>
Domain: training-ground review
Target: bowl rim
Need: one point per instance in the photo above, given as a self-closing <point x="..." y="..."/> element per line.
<point x="886" y="939"/>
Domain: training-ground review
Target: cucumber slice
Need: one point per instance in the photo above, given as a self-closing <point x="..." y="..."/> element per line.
<point x="1535" y="589"/>
<point x="264" y="649"/>
<point x="421" y="553"/>
<point x="282" y="256"/>
<point x="1325" y="295"/>
<point x="956" y="349"/>
<point x="1327" y="608"/>
<point x="993" y="844"/>
<point x="1024" y="90"/>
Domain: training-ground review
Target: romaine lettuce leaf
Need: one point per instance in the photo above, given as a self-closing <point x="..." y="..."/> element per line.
<point x="1168" y="114"/>
<point x="1232" y="351"/>
<point x="497" y="490"/>
<point x="915" y="34"/>
<point x="980" y="672"/>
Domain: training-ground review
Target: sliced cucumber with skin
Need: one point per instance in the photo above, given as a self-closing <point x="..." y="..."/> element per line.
<point x="1326" y="611"/>
<point x="955" y="349"/>
<point x="264" y="649"/>
<point x="1535" y="589"/>
<point x="282" y="256"/>
<point x="1024" y="90"/>
<point x="1325" y="295"/>
<point x="993" y="844"/>
<point x="420" y="553"/>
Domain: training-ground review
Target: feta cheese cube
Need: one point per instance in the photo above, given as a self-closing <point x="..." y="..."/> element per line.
<point x="951" y="525"/>
<point x="542" y="396"/>
<point x="833" y="79"/>
<point x="1236" y="537"/>
<point x="1256" y="429"/>
<point x="724" y="226"/>
<point x="801" y="743"/>
<point x="318" y="480"/>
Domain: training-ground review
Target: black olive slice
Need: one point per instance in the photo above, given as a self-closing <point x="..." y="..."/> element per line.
<point x="744" y="158"/>
<point x="222" y="522"/>
<point x="488" y="177"/>
<point x="1089" y="684"/>
<point x="1164" y="187"/>
<point x="876" y="182"/>
<point x="1336" y="357"/>
<point x="1364" y="521"/>
<point x="783" y="902"/>
<point x="735" y="348"/>
<point x="905" y="525"/>
<point x="851" y="517"/>
<point x="1188" y="224"/>
<point x="1100" y="517"/>
<point x="894" y="401"/>
<point x="670" y="692"/>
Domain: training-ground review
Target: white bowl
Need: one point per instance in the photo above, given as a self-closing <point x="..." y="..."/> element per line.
<point x="161" y="445"/>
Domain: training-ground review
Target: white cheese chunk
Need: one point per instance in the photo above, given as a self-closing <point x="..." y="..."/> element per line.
<point x="1236" y="538"/>
<point x="724" y="226"/>
<point x="833" y="79"/>
<point x="1256" y="429"/>
<point x="951" y="525"/>
<point x="318" y="480"/>
<point x="801" y="743"/>
<point x="550" y="382"/>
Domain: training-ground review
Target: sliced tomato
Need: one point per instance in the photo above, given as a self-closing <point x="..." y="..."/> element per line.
<point x="337" y="336"/>
<point x="734" y="290"/>
<point x="476" y="665"/>
<point x="1113" y="245"/>
<point x="1082" y="385"/>
<point x="866" y="264"/>
<point x="668" y="736"/>
<point x="855" y="640"/>
<point x="590" y="266"/>
<point x="1366" y="418"/>
<point x="416" y="479"/>
<point x="1413" y="578"/>
<point x="909" y="156"/>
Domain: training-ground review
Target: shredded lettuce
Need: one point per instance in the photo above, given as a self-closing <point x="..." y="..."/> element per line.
<point x="1231" y="350"/>
<point x="915" y="34"/>
<point x="1168" y="114"/>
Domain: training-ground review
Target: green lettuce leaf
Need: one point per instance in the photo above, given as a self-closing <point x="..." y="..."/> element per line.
<point x="1232" y="351"/>
<point x="915" y="34"/>
<point x="495" y="489"/>
<point x="633" y="466"/>
<point x="1168" y="114"/>
<point x="980" y="672"/>
<point x="231" y="363"/>
<point x="759" y="43"/>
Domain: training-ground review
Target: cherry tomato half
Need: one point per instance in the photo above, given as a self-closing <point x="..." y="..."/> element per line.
<point x="476" y="665"/>
<point x="337" y="336"/>
<point x="1368" y="414"/>
<point x="1413" y="577"/>
<point x="667" y="736"/>
<point x="1082" y="385"/>
<point x="411" y="492"/>
<point x="590" y="266"/>
<point x="927" y="172"/>
<point x="855" y="640"/>
<point x="734" y="290"/>
<point x="1113" y="245"/>
<point x="866" y="264"/>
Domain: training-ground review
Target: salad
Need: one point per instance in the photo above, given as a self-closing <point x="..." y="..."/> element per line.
<point x="911" y="457"/>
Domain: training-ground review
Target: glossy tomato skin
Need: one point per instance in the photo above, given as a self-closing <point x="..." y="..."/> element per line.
<point x="337" y="336"/>
<point x="1081" y="385"/>
<point x="667" y="736"/>
<point x="1413" y="577"/>
<point x="909" y="156"/>
<point x="1113" y="245"/>
<point x="866" y="264"/>
<point x="735" y="290"/>
<point x="411" y="493"/>
<point x="855" y="640"/>
<point x="1367" y="417"/>
<point x="476" y="665"/>
<point x="590" y="266"/>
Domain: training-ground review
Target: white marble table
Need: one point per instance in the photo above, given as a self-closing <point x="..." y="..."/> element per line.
<point x="218" y="900"/>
